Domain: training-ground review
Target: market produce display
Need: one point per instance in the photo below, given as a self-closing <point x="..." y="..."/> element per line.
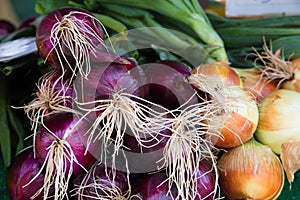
<point x="154" y="99"/>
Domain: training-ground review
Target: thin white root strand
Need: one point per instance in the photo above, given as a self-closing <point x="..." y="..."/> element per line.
<point x="121" y="115"/>
<point x="221" y="103"/>
<point x="186" y="147"/>
<point x="48" y="100"/>
<point x="59" y="168"/>
<point x="73" y="34"/>
<point x="94" y="187"/>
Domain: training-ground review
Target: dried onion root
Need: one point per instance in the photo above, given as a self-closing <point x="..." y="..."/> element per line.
<point x="186" y="147"/>
<point x="236" y="111"/>
<point x="100" y="183"/>
<point x="53" y="95"/>
<point x="60" y="150"/>
<point x="68" y="37"/>
<point x="274" y="68"/>
<point x="124" y="113"/>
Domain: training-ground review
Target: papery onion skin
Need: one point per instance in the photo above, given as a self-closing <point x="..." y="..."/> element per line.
<point x="251" y="171"/>
<point x="256" y="85"/>
<point x="279" y="119"/>
<point x="294" y="83"/>
<point x="180" y="67"/>
<point x="22" y="170"/>
<point x="221" y="71"/>
<point x="239" y="121"/>
<point x="43" y="33"/>
<point x="62" y="125"/>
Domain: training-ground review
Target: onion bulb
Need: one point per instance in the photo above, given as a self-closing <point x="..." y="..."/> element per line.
<point x="99" y="183"/>
<point x="152" y="186"/>
<point x="236" y="120"/>
<point x="278" y="125"/>
<point x="220" y="72"/>
<point x="60" y="149"/>
<point x="234" y="115"/>
<point x="186" y="146"/>
<point x="253" y="83"/>
<point x="67" y="37"/>
<point x="23" y="169"/>
<point x="53" y="95"/>
<point x="251" y="171"/>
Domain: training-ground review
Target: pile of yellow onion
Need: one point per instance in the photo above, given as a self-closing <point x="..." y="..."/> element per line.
<point x="259" y="137"/>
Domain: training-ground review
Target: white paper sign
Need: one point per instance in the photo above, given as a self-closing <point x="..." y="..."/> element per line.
<point x="239" y="8"/>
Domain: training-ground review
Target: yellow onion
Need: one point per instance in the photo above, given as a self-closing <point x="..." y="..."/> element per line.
<point x="275" y="67"/>
<point x="251" y="171"/>
<point x="294" y="82"/>
<point x="238" y="118"/>
<point x="278" y="126"/>
<point x="220" y="71"/>
<point x="253" y="83"/>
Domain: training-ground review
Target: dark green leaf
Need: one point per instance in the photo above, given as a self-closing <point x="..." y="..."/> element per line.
<point x="17" y="127"/>
<point x="5" y="142"/>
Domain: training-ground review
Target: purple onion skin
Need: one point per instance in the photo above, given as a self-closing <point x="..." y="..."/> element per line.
<point x="6" y="27"/>
<point x="43" y="33"/>
<point x="206" y="184"/>
<point x="180" y="67"/>
<point x="62" y="124"/>
<point x="122" y="75"/>
<point x="22" y="170"/>
<point x="165" y="83"/>
<point x="120" y="181"/>
<point x="150" y="187"/>
<point x="132" y="145"/>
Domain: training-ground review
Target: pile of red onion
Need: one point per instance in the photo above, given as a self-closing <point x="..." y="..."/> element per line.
<point x="97" y="117"/>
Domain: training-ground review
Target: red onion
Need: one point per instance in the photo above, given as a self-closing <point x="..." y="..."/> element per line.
<point x="119" y="103"/>
<point x="167" y="84"/>
<point x="206" y="181"/>
<point x="63" y="154"/>
<point x="148" y="146"/>
<point x="54" y="94"/>
<point x="69" y="36"/>
<point x="23" y="169"/>
<point x="152" y="186"/>
<point x="6" y="27"/>
<point x="99" y="183"/>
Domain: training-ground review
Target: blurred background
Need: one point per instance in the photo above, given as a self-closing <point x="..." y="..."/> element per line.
<point x="17" y="10"/>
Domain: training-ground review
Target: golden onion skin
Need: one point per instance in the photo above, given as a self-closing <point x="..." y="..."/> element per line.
<point x="221" y="71"/>
<point x="279" y="119"/>
<point x="251" y="171"/>
<point x="240" y="120"/>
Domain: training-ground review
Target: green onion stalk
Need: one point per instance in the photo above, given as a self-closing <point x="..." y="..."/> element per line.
<point x="187" y="12"/>
<point x="147" y="32"/>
